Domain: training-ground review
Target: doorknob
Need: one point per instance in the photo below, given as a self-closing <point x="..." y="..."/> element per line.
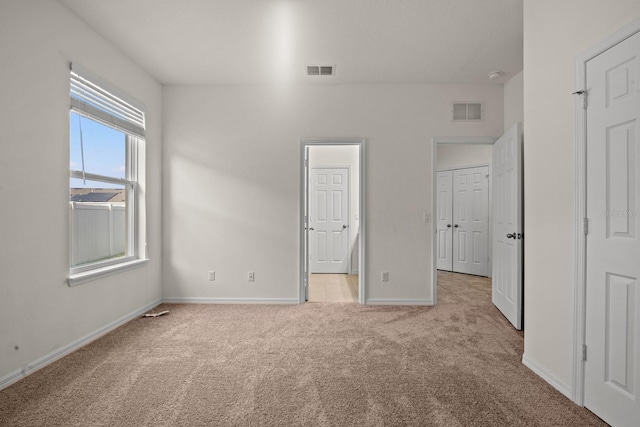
<point x="456" y="225"/>
<point x="311" y="228"/>
<point x="448" y="225"/>
<point x="344" y="226"/>
<point x="511" y="236"/>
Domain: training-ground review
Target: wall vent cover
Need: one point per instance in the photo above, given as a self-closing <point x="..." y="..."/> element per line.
<point x="321" y="70"/>
<point x="467" y="111"/>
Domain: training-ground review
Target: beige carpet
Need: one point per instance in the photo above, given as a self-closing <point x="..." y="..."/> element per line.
<point x="457" y="364"/>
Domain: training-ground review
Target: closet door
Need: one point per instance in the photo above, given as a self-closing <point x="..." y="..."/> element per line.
<point x="471" y="220"/>
<point x="444" y="224"/>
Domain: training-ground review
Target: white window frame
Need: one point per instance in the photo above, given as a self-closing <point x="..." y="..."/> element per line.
<point x="134" y="143"/>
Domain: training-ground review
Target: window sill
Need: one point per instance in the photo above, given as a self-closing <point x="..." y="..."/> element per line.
<point x="87" y="276"/>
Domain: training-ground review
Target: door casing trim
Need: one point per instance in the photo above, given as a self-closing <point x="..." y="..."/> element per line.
<point x="361" y="143"/>
<point x="579" y="308"/>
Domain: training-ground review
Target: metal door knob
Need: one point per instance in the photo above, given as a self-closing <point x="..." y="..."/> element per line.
<point x="456" y="225"/>
<point x="448" y="225"/>
<point x="344" y="226"/>
<point x="511" y="236"/>
<point x="311" y="228"/>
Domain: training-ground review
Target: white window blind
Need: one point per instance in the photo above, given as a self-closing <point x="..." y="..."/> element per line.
<point x="89" y="99"/>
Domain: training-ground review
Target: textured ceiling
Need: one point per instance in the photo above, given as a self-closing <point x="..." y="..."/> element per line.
<point x="228" y="42"/>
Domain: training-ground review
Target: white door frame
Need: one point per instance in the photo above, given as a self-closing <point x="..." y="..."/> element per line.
<point x="469" y="140"/>
<point x="580" y="206"/>
<point x="304" y="144"/>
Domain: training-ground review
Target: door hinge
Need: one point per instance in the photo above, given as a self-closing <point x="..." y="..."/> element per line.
<point x="584" y="352"/>
<point x="584" y="94"/>
<point x="585" y="100"/>
<point x="306" y="163"/>
<point x="585" y="226"/>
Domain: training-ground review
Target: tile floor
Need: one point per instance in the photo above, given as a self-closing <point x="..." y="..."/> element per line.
<point x="333" y="288"/>
<point x="344" y="288"/>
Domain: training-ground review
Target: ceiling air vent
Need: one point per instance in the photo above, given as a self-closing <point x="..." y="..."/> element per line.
<point x="467" y="111"/>
<point x="321" y="70"/>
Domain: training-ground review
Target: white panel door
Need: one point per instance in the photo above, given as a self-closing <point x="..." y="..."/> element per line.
<point x="444" y="221"/>
<point x="305" y="262"/>
<point x="329" y="220"/>
<point x="471" y="220"/>
<point x="507" y="290"/>
<point x="612" y="335"/>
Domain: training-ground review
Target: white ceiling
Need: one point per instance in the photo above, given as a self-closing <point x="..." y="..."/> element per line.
<point x="228" y="42"/>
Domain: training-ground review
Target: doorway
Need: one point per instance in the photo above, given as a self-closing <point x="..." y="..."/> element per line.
<point x="332" y="220"/>
<point x="505" y="213"/>
<point x="454" y="153"/>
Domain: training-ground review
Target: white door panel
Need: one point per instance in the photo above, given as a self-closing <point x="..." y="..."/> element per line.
<point x="507" y="226"/>
<point x="612" y="334"/>
<point x="445" y="220"/>
<point x="305" y="262"/>
<point x="329" y="220"/>
<point x="471" y="220"/>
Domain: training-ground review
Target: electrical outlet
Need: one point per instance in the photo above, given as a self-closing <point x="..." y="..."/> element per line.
<point x="384" y="276"/>
<point x="251" y="276"/>
<point x="212" y="275"/>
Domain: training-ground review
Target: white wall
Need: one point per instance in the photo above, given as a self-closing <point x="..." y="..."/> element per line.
<point x="554" y="34"/>
<point x="452" y="156"/>
<point x="514" y="101"/>
<point x="455" y="155"/>
<point x="39" y="313"/>
<point x="333" y="155"/>
<point x="231" y="173"/>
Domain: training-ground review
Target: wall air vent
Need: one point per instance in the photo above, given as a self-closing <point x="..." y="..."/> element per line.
<point x="321" y="70"/>
<point x="467" y="111"/>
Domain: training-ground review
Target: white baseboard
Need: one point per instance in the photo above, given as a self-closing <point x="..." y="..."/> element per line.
<point x="47" y="359"/>
<point x="379" y="301"/>
<point x="198" y="300"/>
<point x="547" y="376"/>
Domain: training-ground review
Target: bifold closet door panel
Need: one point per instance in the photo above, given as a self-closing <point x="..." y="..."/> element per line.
<point x="471" y="220"/>
<point x="444" y="220"/>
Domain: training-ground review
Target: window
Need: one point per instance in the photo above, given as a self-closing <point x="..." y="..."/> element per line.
<point x="106" y="135"/>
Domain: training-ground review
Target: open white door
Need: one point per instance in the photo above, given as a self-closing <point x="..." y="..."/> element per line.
<point x="305" y="204"/>
<point x="507" y="226"/>
<point x="612" y="328"/>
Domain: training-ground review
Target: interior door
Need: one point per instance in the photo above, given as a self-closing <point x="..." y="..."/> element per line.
<point x="471" y="220"/>
<point x="444" y="225"/>
<point x="305" y="192"/>
<point x="329" y="220"/>
<point x="612" y="334"/>
<point x="507" y="231"/>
